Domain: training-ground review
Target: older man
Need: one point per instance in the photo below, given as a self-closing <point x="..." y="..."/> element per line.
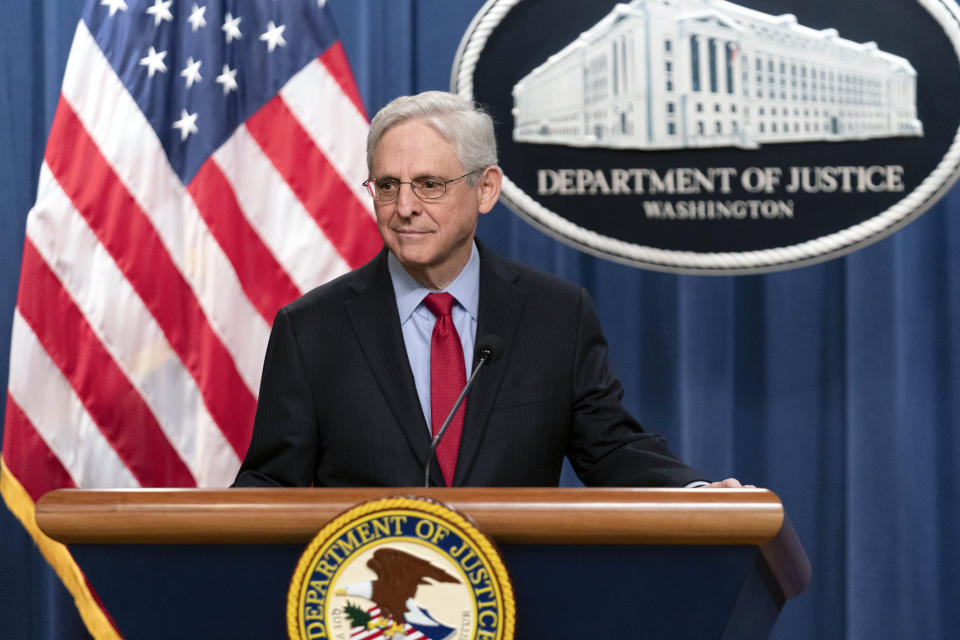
<point x="360" y="372"/>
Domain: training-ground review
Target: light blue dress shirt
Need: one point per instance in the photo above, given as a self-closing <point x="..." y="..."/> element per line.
<point x="417" y="322"/>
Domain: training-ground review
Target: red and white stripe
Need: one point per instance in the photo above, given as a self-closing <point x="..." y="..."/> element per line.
<point x="362" y="633"/>
<point x="145" y="305"/>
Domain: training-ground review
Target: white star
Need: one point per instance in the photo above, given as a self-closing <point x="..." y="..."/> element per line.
<point x="321" y="3"/>
<point x="231" y="27"/>
<point x="154" y="62"/>
<point x="160" y="11"/>
<point x="196" y="19"/>
<point x="273" y="36"/>
<point x="114" y="5"/>
<point x="228" y="79"/>
<point x="191" y="72"/>
<point x="187" y="124"/>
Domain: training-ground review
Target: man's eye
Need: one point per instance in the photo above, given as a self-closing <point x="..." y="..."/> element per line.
<point x="386" y="185"/>
<point x="429" y="183"/>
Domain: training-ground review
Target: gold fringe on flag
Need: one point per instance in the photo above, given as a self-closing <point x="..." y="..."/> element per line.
<point x="22" y="506"/>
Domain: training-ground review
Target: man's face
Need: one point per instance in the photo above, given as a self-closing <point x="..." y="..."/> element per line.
<point x="431" y="238"/>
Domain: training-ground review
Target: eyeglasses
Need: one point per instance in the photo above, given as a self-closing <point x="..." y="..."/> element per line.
<point x="425" y="188"/>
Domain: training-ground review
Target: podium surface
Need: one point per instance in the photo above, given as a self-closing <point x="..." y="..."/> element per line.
<point x="658" y="563"/>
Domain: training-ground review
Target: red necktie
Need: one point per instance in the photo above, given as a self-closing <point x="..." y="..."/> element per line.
<point x="447" y="378"/>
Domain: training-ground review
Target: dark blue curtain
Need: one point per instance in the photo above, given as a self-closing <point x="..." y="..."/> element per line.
<point x="835" y="385"/>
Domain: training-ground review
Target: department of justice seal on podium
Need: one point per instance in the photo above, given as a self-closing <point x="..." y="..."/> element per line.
<point x="400" y="568"/>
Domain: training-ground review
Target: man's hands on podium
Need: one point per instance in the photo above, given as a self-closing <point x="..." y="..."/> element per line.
<point x="729" y="483"/>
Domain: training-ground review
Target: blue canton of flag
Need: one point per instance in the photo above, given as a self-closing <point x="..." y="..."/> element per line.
<point x="205" y="68"/>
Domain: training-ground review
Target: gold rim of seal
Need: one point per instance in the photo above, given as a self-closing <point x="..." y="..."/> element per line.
<point x="424" y="505"/>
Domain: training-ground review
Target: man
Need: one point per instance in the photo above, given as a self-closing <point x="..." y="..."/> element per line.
<point x="347" y="397"/>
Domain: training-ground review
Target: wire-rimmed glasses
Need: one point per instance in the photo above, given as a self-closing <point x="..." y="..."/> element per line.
<point x="424" y="187"/>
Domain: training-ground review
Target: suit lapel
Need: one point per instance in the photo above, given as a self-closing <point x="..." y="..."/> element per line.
<point x="372" y="311"/>
<point x="501" y="305"/>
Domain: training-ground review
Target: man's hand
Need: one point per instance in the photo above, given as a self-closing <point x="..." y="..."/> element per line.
<point x="729" y="483"/>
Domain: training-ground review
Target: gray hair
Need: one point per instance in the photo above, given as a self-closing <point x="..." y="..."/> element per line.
<point x="461" y="122"/>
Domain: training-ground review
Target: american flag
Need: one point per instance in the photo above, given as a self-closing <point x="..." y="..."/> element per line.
<point x="203" y="169"/>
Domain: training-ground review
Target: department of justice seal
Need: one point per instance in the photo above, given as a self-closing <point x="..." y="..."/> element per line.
<point x="400" y="568"/>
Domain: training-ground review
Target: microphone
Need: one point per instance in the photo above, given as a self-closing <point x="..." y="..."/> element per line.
<point x="489" y="349"/>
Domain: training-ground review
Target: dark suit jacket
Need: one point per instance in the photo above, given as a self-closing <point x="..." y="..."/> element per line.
<point x="338" y="404"/>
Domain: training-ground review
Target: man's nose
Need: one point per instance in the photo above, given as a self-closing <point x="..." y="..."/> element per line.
<point x="407" y="201"/>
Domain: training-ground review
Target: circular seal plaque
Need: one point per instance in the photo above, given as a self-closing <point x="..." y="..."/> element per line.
<point x="719" y="136"/>
<point x="400" y="568"/>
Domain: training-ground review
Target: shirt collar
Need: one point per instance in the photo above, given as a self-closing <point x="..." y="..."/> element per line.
<point x="410" y="293"/>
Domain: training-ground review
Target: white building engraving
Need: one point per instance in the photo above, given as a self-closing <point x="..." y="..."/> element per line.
<point x="671" y="74"/>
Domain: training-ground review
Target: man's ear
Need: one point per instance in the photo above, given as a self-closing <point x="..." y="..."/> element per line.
<point x="489" y="186"/>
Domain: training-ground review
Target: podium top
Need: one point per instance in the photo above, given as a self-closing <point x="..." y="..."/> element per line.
<point x="509" y="516"/>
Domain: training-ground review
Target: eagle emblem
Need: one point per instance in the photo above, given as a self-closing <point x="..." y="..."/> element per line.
<point x="395" y="610"/>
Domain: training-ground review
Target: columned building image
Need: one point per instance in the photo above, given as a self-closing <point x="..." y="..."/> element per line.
<point x="668" y="74"/>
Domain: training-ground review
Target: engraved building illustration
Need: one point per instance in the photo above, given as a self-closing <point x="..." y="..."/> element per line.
<point x="669" y="74"/>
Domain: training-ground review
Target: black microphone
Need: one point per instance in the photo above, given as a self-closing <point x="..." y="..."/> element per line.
<point x="489" y="349"/>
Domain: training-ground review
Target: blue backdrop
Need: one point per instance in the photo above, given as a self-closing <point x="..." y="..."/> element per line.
<point x="835" y="385"/>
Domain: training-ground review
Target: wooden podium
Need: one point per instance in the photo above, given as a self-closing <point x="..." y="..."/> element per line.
<point x="585" y="563"/>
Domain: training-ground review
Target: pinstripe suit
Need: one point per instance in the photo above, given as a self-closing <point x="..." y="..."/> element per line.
<point x="338" y="405"/>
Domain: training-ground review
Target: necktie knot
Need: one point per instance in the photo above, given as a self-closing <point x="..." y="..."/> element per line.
<point x="439" y="304"/>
